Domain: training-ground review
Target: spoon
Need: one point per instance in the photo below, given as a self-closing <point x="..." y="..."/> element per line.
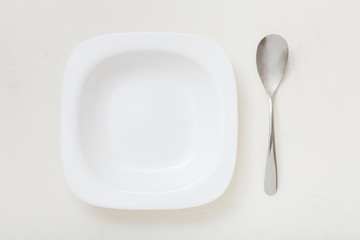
<point x="271" y="59"/>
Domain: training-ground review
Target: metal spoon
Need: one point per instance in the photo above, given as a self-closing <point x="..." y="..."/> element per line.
<point x="271" y="59"/>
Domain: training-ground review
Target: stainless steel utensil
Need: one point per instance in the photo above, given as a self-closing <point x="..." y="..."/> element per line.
<point x="271" y="58"/>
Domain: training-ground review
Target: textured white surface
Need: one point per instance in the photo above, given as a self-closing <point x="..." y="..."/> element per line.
<point x="317" y="119"/>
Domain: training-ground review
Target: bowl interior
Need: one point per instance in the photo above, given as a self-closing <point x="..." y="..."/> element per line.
<point x="144" y="121"/>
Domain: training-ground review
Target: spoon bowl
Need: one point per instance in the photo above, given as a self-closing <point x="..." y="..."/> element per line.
<point x="271" y="58"/>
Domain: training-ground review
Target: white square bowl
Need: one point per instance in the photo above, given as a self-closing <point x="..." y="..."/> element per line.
<point x="148" y="121"/>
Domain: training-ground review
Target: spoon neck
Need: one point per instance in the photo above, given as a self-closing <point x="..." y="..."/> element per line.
<point x="271" y="101"/>
<point x="271" y="106"/>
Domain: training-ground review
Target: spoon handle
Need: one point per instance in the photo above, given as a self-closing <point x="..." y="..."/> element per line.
<point x="270" y="185"/>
